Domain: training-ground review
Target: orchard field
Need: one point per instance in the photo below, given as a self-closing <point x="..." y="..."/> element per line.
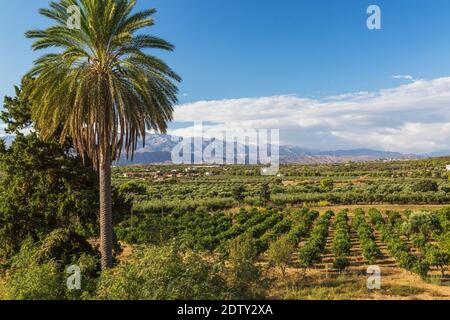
<point x="310" y="232"/>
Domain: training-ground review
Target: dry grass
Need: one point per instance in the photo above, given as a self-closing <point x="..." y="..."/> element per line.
<point x="323" y="283"/>
<point x="2" y="289"/>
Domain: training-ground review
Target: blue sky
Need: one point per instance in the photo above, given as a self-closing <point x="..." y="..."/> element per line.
<point x="235" y="49"/>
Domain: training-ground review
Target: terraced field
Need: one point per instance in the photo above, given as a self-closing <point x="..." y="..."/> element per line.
<point x="334" y="221"/>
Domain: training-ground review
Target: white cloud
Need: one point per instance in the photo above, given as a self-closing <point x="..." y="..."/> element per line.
<point x="404" y="77"/>
<point x="411" y="118"/>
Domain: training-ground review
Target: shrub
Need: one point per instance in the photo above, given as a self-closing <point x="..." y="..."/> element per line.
<point x="326" y="185"/>
<point x="64" y="246"/>
<point x="163" y="273"/>
<point x="425" y="186"/>
<point x="340" y="263"/>
<point x="37" y="272"/>
<point x="245" y="275"/>
<point x="29" y="279"/>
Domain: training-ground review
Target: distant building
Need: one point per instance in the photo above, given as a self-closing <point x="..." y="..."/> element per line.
<point x="448" y="167"/>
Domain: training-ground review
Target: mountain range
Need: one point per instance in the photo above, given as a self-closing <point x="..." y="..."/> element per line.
<point x="158" y="149"/>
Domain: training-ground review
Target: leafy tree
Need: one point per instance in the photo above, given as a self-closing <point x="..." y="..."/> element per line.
<point x="425" y="186"/>
<point x="310" y="252"/>
<point x="17" y="115"/>
<point x="406" y="229"/>
<point x="132" y="188"/>
<point x="326" y="185"/>
<point x="264" y="193"/>
<point x="100" y="88"/>
<point x="244" y="273"/>
<point x="424" y="223"/>
<point x="44" y="187"/>
<point x="238" y="193"/>
<point x="280" y="253"/>
<point x="437" y="257"/>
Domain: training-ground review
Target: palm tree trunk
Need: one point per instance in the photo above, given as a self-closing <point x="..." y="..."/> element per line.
<point x="106" y="224"/>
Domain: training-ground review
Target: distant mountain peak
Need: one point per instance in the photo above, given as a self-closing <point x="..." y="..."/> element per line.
<point x="158" y="149"/>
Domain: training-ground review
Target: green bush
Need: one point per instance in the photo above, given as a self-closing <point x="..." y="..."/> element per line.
<point x="310" y="253"/>
<point x="370" y="250"/>
<point x="302" y="225"/>
<point x="280" y="253"/>
<point x="244" y="274"/>
<point x="29" y="279"/>
<point x="163" y="273"/>
<point x="340" y="263"/>
<point x="64" y="246"/>
<point x="37" y="272"/>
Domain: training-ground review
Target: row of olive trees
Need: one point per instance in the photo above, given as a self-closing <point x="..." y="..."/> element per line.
<point x="423" y="228"/>
<point x="342" y="241"/>
<point x="370" y="251"/>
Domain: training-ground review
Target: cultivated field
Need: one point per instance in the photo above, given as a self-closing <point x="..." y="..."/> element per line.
<point x="313" y="230"/>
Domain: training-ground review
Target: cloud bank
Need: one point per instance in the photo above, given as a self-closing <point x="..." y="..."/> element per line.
<point x="411" y="118"/>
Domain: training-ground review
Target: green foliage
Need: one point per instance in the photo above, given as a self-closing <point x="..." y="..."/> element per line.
<point x="44" y="187"/>
<point x="398" y="249"/>
<point x="425" y="186"/>
<point x="341" y="262"/>
<point x="163" y="273"/>
<point x="326" y="185"/>
<point x="272" y="234"/>
<point x="341" y="242"/>
<point x="30" y="279"/>
<point x="376" y="217"/>
<point x="132" y="188"/>
<point x="239" y="193"/>
<point x="100" y="84"/>
<point x="237" y="229"/>
<point x="310" y="253"/>
<point x="264" y="193"/>
<point x="199" y="229"/>
<point x="64" y="246"/>
<point x="17" y="114"/>
<point x="280" y="253"/>
<point x="244" y="274"/>
<point x="394" y="219"/>
<point x="437" y="257"/>
<point x="302" y="225"/>
<point x="37" y="273"/>
<point x="424" y="223"/>
<point x="370" y="250"/>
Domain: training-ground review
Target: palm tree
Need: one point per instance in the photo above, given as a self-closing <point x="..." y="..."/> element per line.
<point x="100" y="88"/>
